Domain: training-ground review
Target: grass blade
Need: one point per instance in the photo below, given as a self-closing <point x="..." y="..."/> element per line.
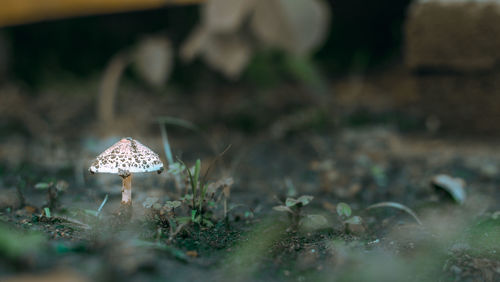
<point x="102" y="205"/>
<point x="396" y="206"/>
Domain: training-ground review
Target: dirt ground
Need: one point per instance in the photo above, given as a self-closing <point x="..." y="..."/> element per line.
<point x="283" y="145"/>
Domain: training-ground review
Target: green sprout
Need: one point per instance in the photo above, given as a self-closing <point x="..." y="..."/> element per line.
<point x="54" y="189"/>
<point x="351" y="223"/>
<point x="293" y="206"/>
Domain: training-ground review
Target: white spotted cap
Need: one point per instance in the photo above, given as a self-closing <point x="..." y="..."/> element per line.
<point x="125" y="157"/>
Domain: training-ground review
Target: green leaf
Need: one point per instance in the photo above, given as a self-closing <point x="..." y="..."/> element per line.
<point x="193" y="186"/>
<point x="42" y="185"/>
<point x="91" y="212"/>
<point x="354" y="220"/>
<point x="196" y="176"/>
<point x="290" y="202"/>
<point x="202" y="196"/>
<point x="47" y="212"/>
<point x="193" y="215"/>
<point x="183" y="219"/>
<point x="344" y="209"/>
<point x="282" y="209"/>
<point x="208" y="223"/>
<point x="149" y="202"/>
<point x="197" y="219"/>
<point x="14" y="243"/>
<point x="176" y="168"/>
<point x="314" y="221"/>
<point x="305" y="200"/>
<point x="172" y="204"/>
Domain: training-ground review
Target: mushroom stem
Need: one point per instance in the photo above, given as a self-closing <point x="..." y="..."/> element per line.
<point x="127" y="189"/>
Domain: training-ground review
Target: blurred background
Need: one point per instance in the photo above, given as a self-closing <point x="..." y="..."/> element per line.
<point x="352" y="99"/>
<point x="69" y="67"/>
<point x="85" y="66"/>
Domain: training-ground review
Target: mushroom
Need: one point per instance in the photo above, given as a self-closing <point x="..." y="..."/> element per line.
<point x="125" y="157"/>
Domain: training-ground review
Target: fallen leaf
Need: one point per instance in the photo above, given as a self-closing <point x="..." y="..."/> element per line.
<point x="454" y="186"/>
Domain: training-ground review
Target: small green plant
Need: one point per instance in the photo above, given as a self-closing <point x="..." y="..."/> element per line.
<point x="54" y="189"/>
<point x="199" y="203"/>
<point x="293" y="206"/>
<point x="199" y="214"/>
<point x="351" y="223"/>
<point x="161" y="213"/>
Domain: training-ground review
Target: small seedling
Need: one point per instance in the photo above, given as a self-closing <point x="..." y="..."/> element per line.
<point x="202" y="194"/>
<point x="199" y="192"/>
<point x="161" y="213"/>
<point x="294" y="207"/>
<point x="224" y="185"/>
<point x="344" y="210"/>
<point x="197" y="205"/>
<point x="53" y="191"/>
<point x="175" y="168"/>
<point x="171" y="205"/>
<point x="351" y="223"/>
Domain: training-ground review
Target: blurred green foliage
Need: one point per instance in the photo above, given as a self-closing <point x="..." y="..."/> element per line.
<point x="14" y="243"/>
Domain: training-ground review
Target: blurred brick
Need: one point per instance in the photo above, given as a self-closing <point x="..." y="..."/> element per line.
<point x="453" y="49"/>
<point x="453" y="35"/>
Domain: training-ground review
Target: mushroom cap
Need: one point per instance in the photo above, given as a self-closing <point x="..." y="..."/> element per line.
<point x="125" y="157"/>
